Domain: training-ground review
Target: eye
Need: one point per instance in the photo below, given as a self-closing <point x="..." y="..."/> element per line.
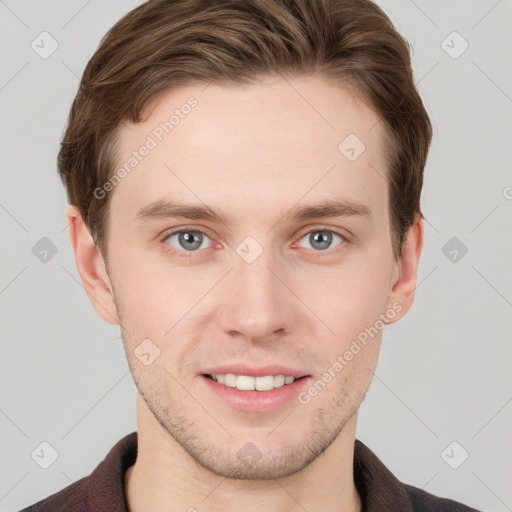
<point x="321" y="239"/>
<point x="186" y="240"/>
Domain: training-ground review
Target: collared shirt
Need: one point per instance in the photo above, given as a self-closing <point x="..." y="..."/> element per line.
<point x="103" y="490"/>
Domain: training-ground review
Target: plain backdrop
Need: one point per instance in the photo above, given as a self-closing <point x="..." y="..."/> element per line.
<point x="442" y="389"/>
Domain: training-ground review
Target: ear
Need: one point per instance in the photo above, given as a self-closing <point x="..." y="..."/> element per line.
<point x="91" y="267"/>
<point x="403" y="286"/>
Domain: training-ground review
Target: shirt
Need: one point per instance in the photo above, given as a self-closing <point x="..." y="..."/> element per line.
<point x="103" y="490"/>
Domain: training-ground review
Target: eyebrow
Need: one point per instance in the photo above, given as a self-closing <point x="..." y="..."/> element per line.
<point x="166" y="208"/>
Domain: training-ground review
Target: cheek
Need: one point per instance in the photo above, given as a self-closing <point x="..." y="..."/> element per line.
<point x="154" y="295"/>
<point x="350" y="299"/>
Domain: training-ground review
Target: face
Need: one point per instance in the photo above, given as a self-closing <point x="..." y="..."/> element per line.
<point x="273" y="286"/>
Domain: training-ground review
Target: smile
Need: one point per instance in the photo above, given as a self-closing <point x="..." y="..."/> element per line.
<point x="249" y="383"/>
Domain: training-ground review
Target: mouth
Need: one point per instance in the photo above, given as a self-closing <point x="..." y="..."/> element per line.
<point x="256" y="390"/>
<point x="250" y="383"/>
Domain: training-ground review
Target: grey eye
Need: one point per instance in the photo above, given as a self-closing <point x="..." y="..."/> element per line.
<point x="189" y="240"/>
<point x="321" y="239"/>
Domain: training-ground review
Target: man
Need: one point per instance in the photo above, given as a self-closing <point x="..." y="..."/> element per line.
<point x="244" y="181"/>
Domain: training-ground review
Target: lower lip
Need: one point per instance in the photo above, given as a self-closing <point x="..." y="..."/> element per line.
<point x="257" y="401"/>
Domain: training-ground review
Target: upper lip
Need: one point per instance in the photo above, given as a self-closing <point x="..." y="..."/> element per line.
<point x="243" y="369"/>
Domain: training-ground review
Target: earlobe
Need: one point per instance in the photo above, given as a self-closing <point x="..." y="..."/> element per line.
<point x="91" y="267"/>
<point x="403" y="288"/>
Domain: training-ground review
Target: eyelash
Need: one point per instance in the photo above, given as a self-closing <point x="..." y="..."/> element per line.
<point x="190" y="254"/>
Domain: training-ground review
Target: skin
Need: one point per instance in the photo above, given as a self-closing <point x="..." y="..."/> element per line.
<point x="253" y="152"/>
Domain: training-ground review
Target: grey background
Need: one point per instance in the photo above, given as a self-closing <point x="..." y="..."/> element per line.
<point x="444" y="370"/>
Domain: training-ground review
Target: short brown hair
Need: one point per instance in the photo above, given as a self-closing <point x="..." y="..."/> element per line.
<point x="163" y="44"/>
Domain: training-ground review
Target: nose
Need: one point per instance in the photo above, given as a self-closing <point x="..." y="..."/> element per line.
<point x="258" y="302"/>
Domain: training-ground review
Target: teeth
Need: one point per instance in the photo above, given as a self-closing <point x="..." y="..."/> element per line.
<point x="279" y="381"/>
<point x="264" y="383"/>
<point x="248" y="383"/>
<point x="230" y="380"/>
<point x="245" y="383"/>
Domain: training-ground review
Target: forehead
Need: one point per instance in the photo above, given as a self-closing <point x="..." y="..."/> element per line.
<point x="275" y="140"/>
